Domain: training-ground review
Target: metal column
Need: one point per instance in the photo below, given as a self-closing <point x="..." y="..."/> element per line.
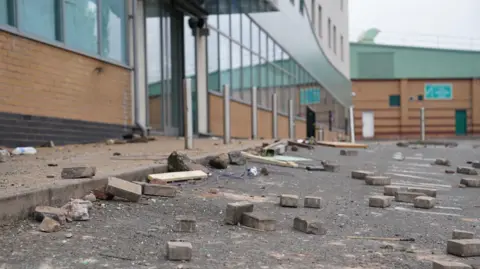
<point x="352" y="125"/>
<point x="275" y="116"/>
<point x="254" y="112"/>
<point x="291" y="120"/>
<point x="188" y="113"/>
<point x="226" y="114"/>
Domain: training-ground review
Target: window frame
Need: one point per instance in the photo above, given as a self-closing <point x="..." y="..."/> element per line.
<point x="394" y="100"/>
<point x="320" y="21"/>
<point x="15" y="30"/>
<point x="334" y="39"/>
<point x="329" y="32"/>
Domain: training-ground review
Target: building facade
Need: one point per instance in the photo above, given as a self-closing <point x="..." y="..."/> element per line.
<point x="391" y="84"/>
<point x="84" y="70"/>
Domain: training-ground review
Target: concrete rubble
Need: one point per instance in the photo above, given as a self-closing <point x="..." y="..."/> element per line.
<point x="464" y="247"/>
<point x="309" y="226"/>
<point x="449" y="265"/>
<point x="185" y="224"/>
<point x="49" y="225"/>
<point x="426" y="191"/>
<point x="460" y="234"/>
<point x="348" y="152"/>
<point x="259" y="221"/>
<point x="425" y="202"/>
<point x="407" y="197"/>
<point x="235" y="211"/>
<point x="289" y="200"/>
<point x="178" y="162"/>
<point x="77" y="210"/>
<point x="467" y="170"/>
<point x="471" y="182"/>
<point x="4" y="156"/>
<point x="236" y="158"/>
<point x="442" y="161"/>
<point x="179" y="251"/>
<point x="312" y="202"/>
<point x="220" y="161"/>
<point x="391" y="190"/>
<point x="331" y="167"/>
<point x="58" y="214"/>
<point x="380" y="201"/>
<point x="78" y="172"/>
<point x="476" y="164"/>
<point x="158" y="190"/>
<point x="360" y="174"/>
<point x="124" y="189"/>
<point x="378" y="180"/>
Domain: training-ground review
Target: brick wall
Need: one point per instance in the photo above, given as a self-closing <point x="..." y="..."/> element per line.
<point x="38" y="79"/>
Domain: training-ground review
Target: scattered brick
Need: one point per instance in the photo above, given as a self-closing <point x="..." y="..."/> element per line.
<point x="309" y="226"/>
<point x="345" y="152"/>
<point x="459" y="234"/>
<point x="179" y="251"/>
<point x="391" y="190"/>
<point x="464" y="247"/>
<point x="425" y="202"/>
<point x="360" y="174"/>
<point x="471" y="182"/>
<point x="288" y="200"/>
<point x="159" y="190"/>
<point x="258" y="221"/>
<point x="312" y="202"/>
<point x="78" y="172"/>
<point x="124" y="189"/>
<point x="185" y="224"/>
<point x="380" y="201"/>
<point x="235" y="210"/>
<point x="426" y="191"/>
<point x="378" y="180"/>
<point x="442" y="161"/>
<point x="54" y="213"/>
<point x="49" y="225"/>
<point x="407" y="197"/>
<point x="467" y="170"/>
<point x="449" y="265"/>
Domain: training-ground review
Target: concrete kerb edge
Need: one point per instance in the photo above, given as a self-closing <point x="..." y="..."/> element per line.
<point x="17" y="206"/>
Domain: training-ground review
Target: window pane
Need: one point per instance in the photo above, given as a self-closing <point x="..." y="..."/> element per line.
<point x="255" y="38"/>
<point x="224" y="61"/>
<point x="246" y="31"/>
<point x="236" y="68"/>
<point x="81" y="25"/>
<point x="39" y="18"/>
<point x="213" y="73"/>
<point x="4" y="12"/>
<point x="114" y="22"/>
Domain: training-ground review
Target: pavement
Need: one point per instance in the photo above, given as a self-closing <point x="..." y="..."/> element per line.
<point x="133" y="235"/>
<point x="27" y="172"/>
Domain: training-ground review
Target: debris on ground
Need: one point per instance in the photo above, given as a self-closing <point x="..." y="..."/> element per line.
<point x="170" y="177"/>
<point x="460" y="234"/>
<point x="464" y="247"/>
<point x="442" y="161"/>
<point x="48" y="144"/>
<point x="294" y="148"/>
<point x="78" y="172"/>
<point x="90" y="197"/>
<point x="55" y="213"/>
<point x="380" y="201"/>
<point x="309" y="226"/>
<point x="449" y="265"/>
<point x="77" y="210"/>
<point x="124" y="189"/>
<point x="312" y="202"/>
<point x="49" y="225"/>
<point x="185" y="224"/>
<point x="259" y="221"/>
<point x="476" y="164"/>
<point x="4" y="155"/>
<point x="362" y="175"/>
<point x="330" y="167"/>
<point x="236" y="158"/>
<point x="115" y="142"/>
<point x="179" y="250"/>
<point x="264" y="171"/>
<point x="300" y="145"/>
<point x="159" y="190"/>
<point x="268" y="160"/>
<point x="277" y="148"/>
<point x="449" y="171"/>
<point x="400" y="239"/>
<point x="102" y="195"/>
<point x="220" y="161"/>
<point x="471" y="182"/>
<point x="235" y="210"/>
<point x="315" y="168"/>
<point x="398" y="156"/>
<point x="425" y="202"/>
<point x="289" y="200"/>
<point x="252" y="171"/>
<point x="178" y="162"/>
<point x="345" y="152"/>
<point x="467" y="170"/>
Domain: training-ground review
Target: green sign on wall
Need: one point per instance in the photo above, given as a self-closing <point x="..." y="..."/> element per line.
<point x="436" y="91"/>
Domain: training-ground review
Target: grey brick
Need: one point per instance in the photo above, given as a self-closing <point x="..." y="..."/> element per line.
<point x="258" y="220"/>
<point x="464" y="247"/>
<point x="235" y="210"/>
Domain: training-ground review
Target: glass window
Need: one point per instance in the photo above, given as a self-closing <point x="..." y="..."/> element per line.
<point x="236" y="67"/>
<point x="263" y="44"/>
<point x="246" y="31"/>
<point x="41" y="18"/>
<point x="212" y="61"/>
<point x="334" y="39"/>
<point x="313" y="13"/>
<point x="394" y="100"/>
<point x="320" y="19"/>
<point x="224" y="16"/>
<point x="6" y="12"/>
<point x="114" y="24"/>
<point x="255" y="70"/>
<point x="81" y="25"/>
<point x="247" y="70"/>
<point x="255" y="38"/>
<point x="236" y="23"/>
<point x="341" y="48"/>
<point x="302" y="6"/>
<point x="329" y="33"/>
<point x="224" y="61"/>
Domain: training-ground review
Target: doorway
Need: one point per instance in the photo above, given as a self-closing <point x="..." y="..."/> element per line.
<point x="460" y="122"/>
<point x="368" y="124"/>
<point x="310" y="122"/>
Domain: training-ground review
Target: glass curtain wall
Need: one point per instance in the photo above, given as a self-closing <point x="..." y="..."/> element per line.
<point x="242" y="55"/>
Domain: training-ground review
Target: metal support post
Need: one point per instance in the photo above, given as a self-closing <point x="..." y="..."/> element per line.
<point x="188" y="114"/>
<point x="422" y="123"/>
<point x="254" y="113"/>
<point x="291" y="120"/>
<point x="275" y="116"/>
<point x="226" y="114"/>
<point x="352" y="125"/>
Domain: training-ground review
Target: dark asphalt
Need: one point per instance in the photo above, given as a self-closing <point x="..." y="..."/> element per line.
<point x="133" y="235"/>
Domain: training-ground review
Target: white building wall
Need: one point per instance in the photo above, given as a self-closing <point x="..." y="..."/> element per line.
<point x="337" y="12"/>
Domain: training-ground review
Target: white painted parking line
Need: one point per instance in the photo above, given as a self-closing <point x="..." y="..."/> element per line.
<point x="403" y="209"/>
<point x="412" y="164"/>
<point x="421" y="185"/>
<point x="449" y="208"/>
<point x="415" y="177"/>
<point x="420" y="159"/>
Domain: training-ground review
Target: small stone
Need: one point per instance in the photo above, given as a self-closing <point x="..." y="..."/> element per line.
<point x="178" y="162"/>
<point x="448" y="171"/>
<point x="159" y="190"/>
<point x="179" y="251"/>
<point x="398" y="156"/>
<point x="312" y="202"/>
<point x="403" y="144"/>
<point x="219" y="162"/>
<point x="68" y="235"/>
<point x="4" y="155"/>
<point x="213" y="191"/>
<point x="426" y="191"/>
<point x="264" y="171"/>
<point x="378" y="180"/>
<point x="471" y="182"/>
<point x="309" y="226"/>
<point x="425" y="202"/>
<point x="289" y="200"/>
<point x="459" y="234"/>
<point x="124" y="189"/>
<point x="185" y="224"/>
<point x="294" y="148"/>
<point x="442" y="161"/>
<point x="78" y="172"/>
<point x="54" y="213"/>
<point x="49" y="225"/>
<point x="407" y="197"/>
<point x="331" y="167"/>
<point x="464" y="247"/>
<point x="77" y="210"/>
<point x="476" y="164"/>
<point x="235" y="210"/>
<point x="391" y="190"/>
<point x="259" y="221"/>
<point x="236" y="158"/>
<point x="90" y="197"/>
<point x="380" y="201"/>
<point x="466" y="170"/>
<point x="345" y="152"/>
<point x="315" y="168"/>
<point x="449" y="265"/>
<point x="360" y="174"/>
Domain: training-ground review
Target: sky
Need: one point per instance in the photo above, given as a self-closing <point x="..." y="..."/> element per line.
<point x="433" y="23"/>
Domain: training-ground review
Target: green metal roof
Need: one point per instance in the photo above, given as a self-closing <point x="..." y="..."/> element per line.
<point x="374" y="61"/>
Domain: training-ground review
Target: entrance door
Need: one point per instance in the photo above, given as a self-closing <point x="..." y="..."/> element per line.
<point x="460" y="122"/>
<point x="368" y="124"/>
<point x="310" y="122"/>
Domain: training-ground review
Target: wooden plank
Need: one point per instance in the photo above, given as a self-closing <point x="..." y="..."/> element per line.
<point x="267" y="160"/>
<point x="178" y="176"/>
<point x="341" y="145"/>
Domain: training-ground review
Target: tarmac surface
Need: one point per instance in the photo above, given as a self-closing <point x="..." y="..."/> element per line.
<point x="134" y="235"/>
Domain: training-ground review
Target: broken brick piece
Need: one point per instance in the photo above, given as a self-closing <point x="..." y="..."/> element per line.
<point x="124" y="189"/>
